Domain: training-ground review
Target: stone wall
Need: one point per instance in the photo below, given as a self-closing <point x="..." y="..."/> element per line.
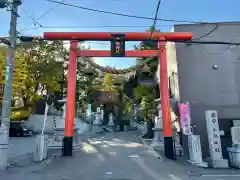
<point x="35" y="123"/>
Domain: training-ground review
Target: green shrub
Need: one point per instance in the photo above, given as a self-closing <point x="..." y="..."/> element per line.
<point x="18" y="115"/>
<point x="18" y="108"/>
<point x="32" y="101"/>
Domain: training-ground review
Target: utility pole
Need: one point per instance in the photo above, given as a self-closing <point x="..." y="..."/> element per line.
<point x="7" y="95"/>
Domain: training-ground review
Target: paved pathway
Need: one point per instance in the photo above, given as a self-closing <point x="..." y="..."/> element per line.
<point x="113" y="156"/>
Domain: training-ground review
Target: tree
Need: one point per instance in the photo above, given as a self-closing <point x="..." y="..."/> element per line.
<point x="38" y="68"/>
<point x="128" y="106"/>
<point x="152" y="63"/>
<point x="85" y="84"/>
<point x="108" y="83"/>
<point x="148" y="45"/>
<point x="20" y="71"/>
<point x="143" y="91"/>
<point x="45" y="67"/>
<point x="145" y="95"/>
<point x="145" y="106"/>
<point x="2" y="59"/>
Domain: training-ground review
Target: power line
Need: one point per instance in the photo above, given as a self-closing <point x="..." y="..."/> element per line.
<point x="217" y="53"/>
<point x="121" y="14"/>
<point x="93" y="26"/>
<point x="208" y="33"/>
<point x="44" y="14"/>
<point x="51" y="9"/>
<point x="155" y="19"/>
<point x="32" y="18"/>
<point x="209" y="42"/>
<point x="156" y="14"/>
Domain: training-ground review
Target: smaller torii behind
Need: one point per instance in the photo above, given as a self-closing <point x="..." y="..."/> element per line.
<point x="118" y="50"/>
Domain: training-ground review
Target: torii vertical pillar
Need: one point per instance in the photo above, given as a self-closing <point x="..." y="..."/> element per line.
<point x="164" y="95"/>
<point x="67" y="148"/>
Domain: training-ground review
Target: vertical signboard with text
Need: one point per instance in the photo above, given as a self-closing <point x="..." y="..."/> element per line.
<point x="185" y="119"/>
<point x="215" y="147"/>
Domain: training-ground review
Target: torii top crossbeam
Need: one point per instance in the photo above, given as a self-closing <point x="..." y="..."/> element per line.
<point x="128" y="36"/>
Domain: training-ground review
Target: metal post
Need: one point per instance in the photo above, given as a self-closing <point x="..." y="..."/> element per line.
<point x="167" y="124"/>
<point x="7" y="95"/>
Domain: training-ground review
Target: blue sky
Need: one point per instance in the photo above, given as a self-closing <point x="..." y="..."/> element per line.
<point x="191" y="10"/>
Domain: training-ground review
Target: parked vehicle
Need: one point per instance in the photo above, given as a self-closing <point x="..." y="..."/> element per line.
<point x="17" y="129"/>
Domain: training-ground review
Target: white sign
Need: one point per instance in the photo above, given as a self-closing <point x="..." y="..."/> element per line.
<point x="215" y="147"/>
<point x="195" y="151"/>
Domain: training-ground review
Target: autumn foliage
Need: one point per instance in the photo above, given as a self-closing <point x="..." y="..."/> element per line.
<point x="37" y="69"/>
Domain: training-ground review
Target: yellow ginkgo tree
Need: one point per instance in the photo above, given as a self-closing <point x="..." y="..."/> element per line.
<point x="108" y="84"/>
<point x="20" y="72"/>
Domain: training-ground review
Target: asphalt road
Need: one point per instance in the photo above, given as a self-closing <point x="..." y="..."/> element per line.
<point x="20" y="147"/>
<point x="114" y="156"/>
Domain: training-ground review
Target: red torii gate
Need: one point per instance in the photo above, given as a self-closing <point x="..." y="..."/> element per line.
<point x="74" y="37"/>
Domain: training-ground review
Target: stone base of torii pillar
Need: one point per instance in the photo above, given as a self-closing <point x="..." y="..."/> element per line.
<point x="56" y="141"/>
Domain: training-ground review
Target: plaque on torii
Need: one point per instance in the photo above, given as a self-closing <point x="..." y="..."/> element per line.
<point x="117" y="45"/>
